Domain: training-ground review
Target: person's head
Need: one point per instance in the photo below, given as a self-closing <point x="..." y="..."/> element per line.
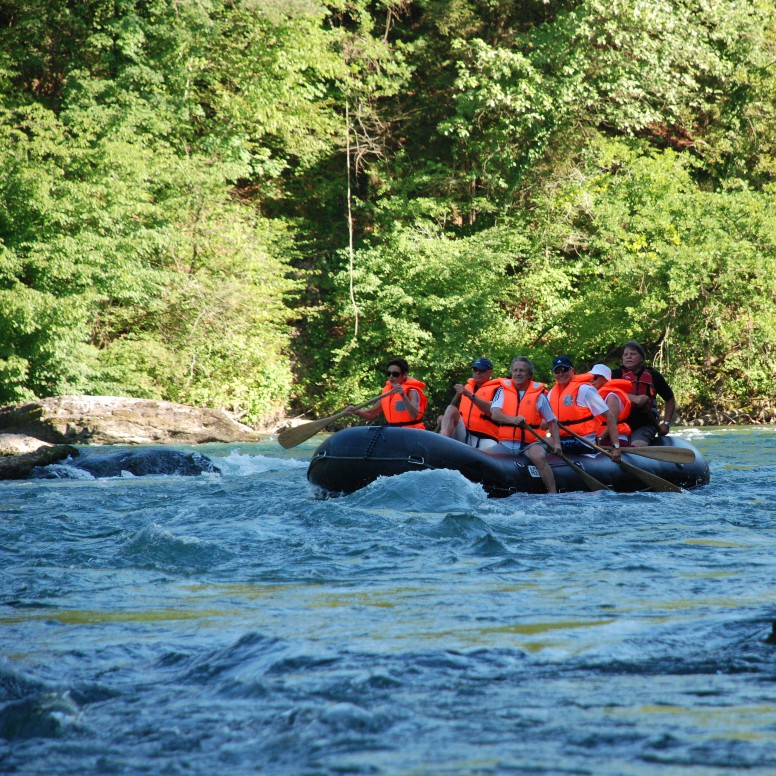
<point x="562" y="369"/>
<point x="633" y="355"/>
<point x="397" y="370"/>
<point x="601" y="375"/>
<point x="521" y="370"/>
<point x="482" y="370"/>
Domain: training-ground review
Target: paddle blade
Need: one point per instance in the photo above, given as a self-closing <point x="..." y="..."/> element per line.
<point x="670" y="454"/>
<point x="657" y="484"/>
<point x="291" y="437"/>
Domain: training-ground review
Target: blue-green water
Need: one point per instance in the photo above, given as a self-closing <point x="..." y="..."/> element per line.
<point x="234" y="624"/>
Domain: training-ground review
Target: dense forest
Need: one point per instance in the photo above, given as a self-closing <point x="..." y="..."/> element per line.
<point x="252" y="204"/>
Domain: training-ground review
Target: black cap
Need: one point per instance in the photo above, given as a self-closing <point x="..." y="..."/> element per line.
<point x="482" y="364"/>
<point x="562" y="361"/>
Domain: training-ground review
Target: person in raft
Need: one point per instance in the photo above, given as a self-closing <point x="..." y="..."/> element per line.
<point x="577" y="404"/>
<point x="613" y="392"/>
<point x="405" y="406"/>
<point x="521" y="402"/>
<point x="646" y="385"/>
<point x="467" y="418"/>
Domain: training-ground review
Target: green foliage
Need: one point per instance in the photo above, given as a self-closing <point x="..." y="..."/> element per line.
<point x="693" y="272"/>
<point x="127" y="267"/>
<point x="525" y="178"/>
<point x="436" y="301"/>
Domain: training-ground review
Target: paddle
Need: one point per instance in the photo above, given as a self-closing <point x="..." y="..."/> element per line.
<point x="654" y="482"/>
<point x="588" y="479"/>
<point x="669" y="454"/>
<point x="291" y="437"/>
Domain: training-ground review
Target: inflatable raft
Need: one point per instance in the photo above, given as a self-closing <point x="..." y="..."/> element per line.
<point x="352" y="458"/>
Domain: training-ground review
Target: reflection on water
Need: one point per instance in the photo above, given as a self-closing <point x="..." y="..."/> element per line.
<point x="182" y="625"/>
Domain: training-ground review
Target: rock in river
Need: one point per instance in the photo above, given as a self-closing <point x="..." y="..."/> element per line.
<point x="112" y="420"/>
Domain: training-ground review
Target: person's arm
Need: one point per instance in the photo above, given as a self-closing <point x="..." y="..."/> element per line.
<point x="668" y="414"/>
<point x="498" y="415"/>
<point x="411" y="402"/>
<point x="598" y="407"/>
<point x="611" y="427"/>
<point x="665" y="392"/>
<point x="480" y="403"/>
<point x="368" y="414"/>
<point x="614" y="403"/>
<point x="505" y="420"/>
<point x="549" y="422"/>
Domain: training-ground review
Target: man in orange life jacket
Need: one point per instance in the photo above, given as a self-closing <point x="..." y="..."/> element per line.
<point x="470" y="421"/>
<point x="404" y="408"/>
<point x="613" y="392"/>
<point x="577" y="404"/>
<point x="521" y="402"/>
<point x="647" y="384"/>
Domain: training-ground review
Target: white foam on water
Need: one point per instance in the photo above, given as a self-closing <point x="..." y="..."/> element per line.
<point x="238" y="464"/>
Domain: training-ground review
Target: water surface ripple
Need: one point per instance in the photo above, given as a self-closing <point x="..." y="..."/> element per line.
<point x="191" y="625"/>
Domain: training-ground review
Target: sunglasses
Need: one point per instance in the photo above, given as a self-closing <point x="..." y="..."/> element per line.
<point x="474" y="369"/>
<point x="560" y="370"/>
<point x="389" y="373"/>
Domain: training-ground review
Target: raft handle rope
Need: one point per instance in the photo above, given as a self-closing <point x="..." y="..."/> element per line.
<point x="376" y="434"/>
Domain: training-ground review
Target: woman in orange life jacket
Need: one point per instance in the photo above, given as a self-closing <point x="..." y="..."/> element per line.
<point x="576" y="404"/>
<point x="521" y="401"/>
<point x="404" y="408"/>
<point x="647" y="384"/>
<point x="470" y="421"/>
<point x="613" y="392"/>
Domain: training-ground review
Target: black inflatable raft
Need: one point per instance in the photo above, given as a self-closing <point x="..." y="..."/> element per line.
<point x="352" y="458"/>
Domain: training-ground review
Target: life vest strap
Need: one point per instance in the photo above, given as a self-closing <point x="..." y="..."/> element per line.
<point x="578" y="420"/>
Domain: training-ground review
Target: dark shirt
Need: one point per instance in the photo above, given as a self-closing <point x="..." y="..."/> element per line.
<point x="646" y="416"/>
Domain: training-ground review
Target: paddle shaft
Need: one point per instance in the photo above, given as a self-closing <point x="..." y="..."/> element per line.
<point x="291" y="437"/>
<point x="655" y="482"/>
<point x="588" y="479"/>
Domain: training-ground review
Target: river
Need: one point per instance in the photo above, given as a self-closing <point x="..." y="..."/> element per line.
<point x="235" y="624"/>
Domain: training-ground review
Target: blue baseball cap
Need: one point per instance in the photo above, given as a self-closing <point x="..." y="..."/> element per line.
<point x="562" y="361"/>
<point x="482" y="364"/>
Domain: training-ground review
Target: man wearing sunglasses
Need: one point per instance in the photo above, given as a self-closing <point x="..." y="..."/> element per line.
<point x="470" y="421"/>
<point x="403" y="402"/>
<point x="577" y="404"/>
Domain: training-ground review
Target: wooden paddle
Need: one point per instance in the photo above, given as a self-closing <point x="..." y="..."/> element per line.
<point x="588" y="479"/>
<point x="654" y="482"/>
<point x="669" y="454"/>
<point x="291" y="437"/>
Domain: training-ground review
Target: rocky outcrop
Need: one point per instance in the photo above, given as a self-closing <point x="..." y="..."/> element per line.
<point x="111" y="420"/>
<point x="757" y="416"/>
<point x="20" y="454"/>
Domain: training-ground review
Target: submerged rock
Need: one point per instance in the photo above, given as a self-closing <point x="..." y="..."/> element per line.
<point x="139" y="463"/>
<point x="113" y="420"/>
<point x="20" y="455"/>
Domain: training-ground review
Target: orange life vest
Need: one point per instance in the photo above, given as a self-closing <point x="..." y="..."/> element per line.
<point x="476" y="421"/>
<point x="525" y="406"/>
<point x="393" y="405"/>
<point x="620" y="388"/>
<point x="567" y="411"/>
